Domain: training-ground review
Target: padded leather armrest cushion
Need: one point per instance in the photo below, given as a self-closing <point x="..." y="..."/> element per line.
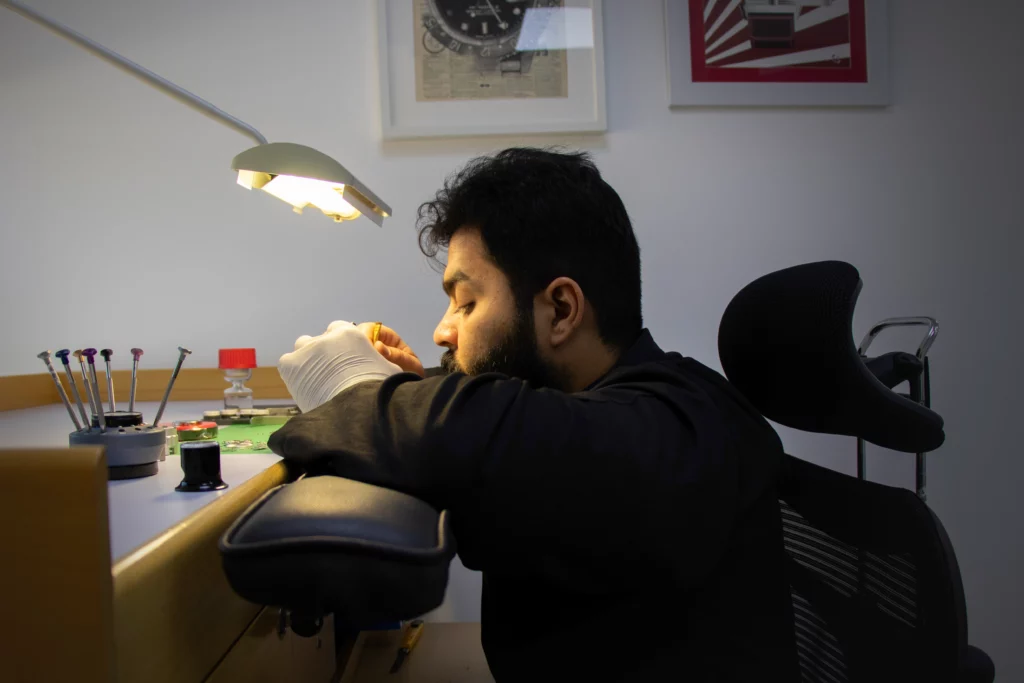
<point x="327" y="545"/>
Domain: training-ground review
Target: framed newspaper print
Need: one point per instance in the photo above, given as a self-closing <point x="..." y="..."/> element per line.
<point x="778" y="52"/>
<point x="487" y="67"/>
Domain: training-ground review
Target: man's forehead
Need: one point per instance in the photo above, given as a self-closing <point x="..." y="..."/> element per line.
<point x="466" y="247"/>
<point x="467" y="257"/>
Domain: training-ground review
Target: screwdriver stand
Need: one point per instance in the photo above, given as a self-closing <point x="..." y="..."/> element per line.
<point x="132" y="452"/>
<point x="133" y="449"/>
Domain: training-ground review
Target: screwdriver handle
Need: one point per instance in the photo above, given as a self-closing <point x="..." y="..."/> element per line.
<point x="85" y="383"/>
<point x="45" y="355"/>
<point x="409" y="639"/>
<point x="96" y="390"/>
<point x="107" y="353"/>
<point x="63" y="355"/>
<point x="412" y="635"/>
<point x="88" y="393"/>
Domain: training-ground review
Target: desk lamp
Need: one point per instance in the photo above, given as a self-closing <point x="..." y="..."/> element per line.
<point x="299" y="175"/>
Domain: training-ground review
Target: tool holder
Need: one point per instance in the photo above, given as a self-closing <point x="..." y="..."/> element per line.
<point x="132" y="452"/>
<point x="133" y="449"/>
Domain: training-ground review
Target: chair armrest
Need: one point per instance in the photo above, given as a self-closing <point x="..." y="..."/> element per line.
<point x="976" y="667"/>
<point x="328" y="545"/>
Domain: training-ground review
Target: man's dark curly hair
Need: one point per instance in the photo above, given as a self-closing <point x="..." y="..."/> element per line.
<point x="545" y="214"/>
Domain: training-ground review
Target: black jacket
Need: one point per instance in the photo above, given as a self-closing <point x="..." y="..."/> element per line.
<point x="627" y="532"/>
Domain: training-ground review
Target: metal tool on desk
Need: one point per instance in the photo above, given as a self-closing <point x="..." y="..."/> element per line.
<point x="118" y="418"/>
<point x="90" y="357"/>
<point x="45" y="356"/>
<point x="77" y="353"/>
<point x="63" y="355"/>
<point x="136" y="355"/>
<point x="106" y="354"/>
<point x="409" y="640"/>
<point x="182" y="352"/>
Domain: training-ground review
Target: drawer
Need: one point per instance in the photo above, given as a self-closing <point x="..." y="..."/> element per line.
<point x="265" y="655"/>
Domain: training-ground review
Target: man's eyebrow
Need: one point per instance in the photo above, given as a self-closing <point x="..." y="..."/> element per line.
<point x="449" y="282"/>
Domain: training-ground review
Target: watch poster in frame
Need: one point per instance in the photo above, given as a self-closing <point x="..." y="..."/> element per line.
<point x="480" y="67"/>
<point x="778" y="52"/>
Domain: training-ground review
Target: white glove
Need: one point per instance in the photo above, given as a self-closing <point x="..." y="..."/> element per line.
<point x="324" y="366"/>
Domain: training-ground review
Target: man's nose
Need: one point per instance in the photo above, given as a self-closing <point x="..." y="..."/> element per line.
<point x="445" y="334"/>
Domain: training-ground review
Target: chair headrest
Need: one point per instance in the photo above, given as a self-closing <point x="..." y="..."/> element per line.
<point x="786" y="343"/>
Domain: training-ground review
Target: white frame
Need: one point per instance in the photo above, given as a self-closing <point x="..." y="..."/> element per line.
<point x="684" y="92"/>
<point x="484" y="117"/>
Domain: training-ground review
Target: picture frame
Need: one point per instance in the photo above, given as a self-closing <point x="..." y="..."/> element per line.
<point x="778" y="52"/>
<point x="465" y="91"/>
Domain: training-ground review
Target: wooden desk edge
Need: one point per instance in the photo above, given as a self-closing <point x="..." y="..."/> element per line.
<point x="223" y="511"/>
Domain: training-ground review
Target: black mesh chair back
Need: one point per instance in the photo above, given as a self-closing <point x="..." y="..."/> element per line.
<point x="875" y="584"/>
<point x="876" y="589"/>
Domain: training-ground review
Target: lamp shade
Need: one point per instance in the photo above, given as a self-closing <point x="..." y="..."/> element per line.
<point x="294" y="173"/>
<point x="303" y="176"/>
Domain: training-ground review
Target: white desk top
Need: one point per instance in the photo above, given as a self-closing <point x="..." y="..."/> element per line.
<point x="140" y="509"/>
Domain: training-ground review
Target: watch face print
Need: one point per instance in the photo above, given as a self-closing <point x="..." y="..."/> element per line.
<point x="488" y="28"/>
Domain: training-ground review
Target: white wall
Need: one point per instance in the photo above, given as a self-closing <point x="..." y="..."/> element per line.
<point x="122" y="225"/>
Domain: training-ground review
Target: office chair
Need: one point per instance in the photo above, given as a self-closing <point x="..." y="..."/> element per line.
<point x="876" y="589"/>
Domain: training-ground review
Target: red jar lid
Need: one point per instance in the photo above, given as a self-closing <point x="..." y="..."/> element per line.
<point x="235" y="359"/>
<point x="195" y="425"/>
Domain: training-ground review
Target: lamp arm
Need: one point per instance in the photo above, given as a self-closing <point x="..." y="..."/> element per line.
<point x="140" y="72"/>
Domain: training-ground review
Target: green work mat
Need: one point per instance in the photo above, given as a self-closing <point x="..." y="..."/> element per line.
<point x="258" y="434"/>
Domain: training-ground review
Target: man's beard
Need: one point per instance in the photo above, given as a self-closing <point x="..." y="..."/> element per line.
<point x="515" y="355"/>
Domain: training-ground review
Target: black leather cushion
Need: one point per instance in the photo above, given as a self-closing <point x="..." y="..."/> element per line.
<point x="327" y="545"/>
<point x="786" y="342"/>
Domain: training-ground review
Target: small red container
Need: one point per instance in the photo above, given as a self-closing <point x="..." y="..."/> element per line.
<point x="236" y="359"/>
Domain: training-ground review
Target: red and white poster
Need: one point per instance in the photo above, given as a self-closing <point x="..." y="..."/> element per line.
<point x="778" y="41"/>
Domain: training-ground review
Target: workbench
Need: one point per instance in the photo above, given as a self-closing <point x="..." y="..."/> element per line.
<point x="121" y="581"/>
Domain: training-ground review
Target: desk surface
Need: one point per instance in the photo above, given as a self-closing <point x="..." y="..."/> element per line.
<point x="139" y="509"/>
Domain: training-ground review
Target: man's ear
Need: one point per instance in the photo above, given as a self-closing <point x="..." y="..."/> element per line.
<point x="564" y="297"/>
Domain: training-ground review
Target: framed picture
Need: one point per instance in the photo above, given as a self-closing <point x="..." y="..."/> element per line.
<point x="483" y="67"/>
<point x="778" y="52"/>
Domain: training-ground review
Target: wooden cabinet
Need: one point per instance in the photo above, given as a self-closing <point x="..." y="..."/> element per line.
<point x="163" y="613"/>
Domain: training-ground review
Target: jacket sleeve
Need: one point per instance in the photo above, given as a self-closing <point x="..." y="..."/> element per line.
<point x="538" y="481"/>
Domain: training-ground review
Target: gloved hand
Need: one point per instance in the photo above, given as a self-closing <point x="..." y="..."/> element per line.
<point x="321" y="367"/>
